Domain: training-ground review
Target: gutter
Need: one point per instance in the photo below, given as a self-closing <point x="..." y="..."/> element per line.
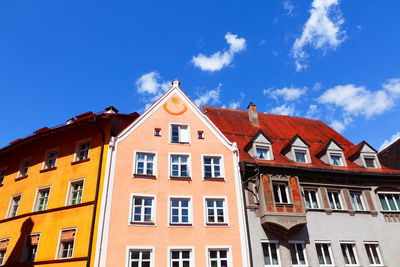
<point x="96" y="194"/>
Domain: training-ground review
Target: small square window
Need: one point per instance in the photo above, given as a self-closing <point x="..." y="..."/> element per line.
<point x="356" y="200"/>
<point x="200" y="134"/>
<point x="179" y="133"/>
<point x="75" y="192"/>
<point x="42" y="198"/>
<point x="262" y="153"/>
<point x="216" y="211"/>
<point x="180" y="211"/>
<point x="157" y="132"/>
<point x="179" y="165"/>
<point x="82" y="151"/>
<point x="324" y="253"/>
<point x="67" y="241"/>
<point x="31" y="247"/>
<point x="140" y="258"/>
<point x="50" y="159"/>
<point x="349" y="254"/>
<point x="369" y="162"/>
<point x="14" y="205"/>
<point x="218" y="258"/>
<point x="336" y="160"/>
<point x="145" y="163"/>
<point x="271" y="253"/>
<point x="300" y="156"/>
<point x="143" y="210"/>
<point x="281" y="193"/>
<point x="334" y="200"/>
<point x="23" y="170"/>
<point x="212" y="167"/>
<point x="181" y="258"/>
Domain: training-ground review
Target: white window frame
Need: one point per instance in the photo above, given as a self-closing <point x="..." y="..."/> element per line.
<point x="27" y="159"/>
<point x="302" y="151"/>
<point x="223" y="247"/>
<point x="276" y="242"/>
<point x="303" y="244"/>
<point x="46" y="158"/>
<point x="378" y="252"/>
<point x="323" y="252"/>
<point x="316" y="197"/>
<point x="181" y="248"/>
<point x="336" y="155"/>
<point x="5" y="252"/>
<point x="370" y="157"/>
<point x="25" y="254"/>
<point x="267" y="151"/>
<point x="385" y="193"/>
<point x="135" y="154"/>
<point x="221" y="167"/>
<point x="179" y="125"/>
<point x="69" y="192"/>
<point x="190" y="212"/>
<point x="339" y="192"/>
<point x="11" y="203"/>
<point x="353" y="248"/>
<point x="59" y="242"/>
<point x="3" y="175"/>
<point x="225" y="208"/>
<point x="153" y="210"/>
<point x="77" y="149"/>
<point x="36" y="202"/>
<point x="353" y="203"/>
<point x="189" y="162"/>
<point x="137" y="248"/>
<point x="280" y="192"/>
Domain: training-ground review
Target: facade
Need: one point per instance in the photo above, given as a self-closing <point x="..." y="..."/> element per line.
<point x="390" y="156"/>
<point x="173" y="196"/>
<point x="312" y="197"/>
<point x="49" y="183"/>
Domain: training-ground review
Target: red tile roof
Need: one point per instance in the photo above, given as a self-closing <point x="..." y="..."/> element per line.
<point x="281" y="129"/>
<point x="390" y="156"/>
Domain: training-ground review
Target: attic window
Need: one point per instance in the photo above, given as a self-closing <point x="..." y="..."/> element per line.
<point x="157" y="131"/>
<point x="262" y="152"/>
<point x="369" y="162"/>
<point x="300" y="156"/>
<point x="336" y="160"/>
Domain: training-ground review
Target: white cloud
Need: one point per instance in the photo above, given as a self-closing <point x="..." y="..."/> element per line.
<point x="312" y="112"/>
<point x="338" y="126"/>
<point x="284" y="110"/>
<point x="321" y="31"/>
<point x="287" y="93"/>
<point x="219" y="59"/>
<point x="148" y="84"/>
<point x="317" y="86"/>
<point x="236" y="104"/>
<point x="210" y="97"/>
<point x="390" y="141"/>
<point x="289" y="7"/>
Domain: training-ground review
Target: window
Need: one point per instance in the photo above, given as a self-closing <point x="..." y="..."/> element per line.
<point x="373" y="253"/>
<point x="179" y="133"/>
<point x="140" y="258"/>
<point x="212" y="166"/>
<point x="336" y="160"/>
<point x="370" y="162"/>
<point x="200" y="134"/>
<point x="157" y="132"/>
<point x="349" y="254"/>
<point x="82" y="151"/>
<point x="356" y="200"/>
<point x="67" y="241"/>
<point x="300" y="156"/>
<point x="14" y="204"/>
<point x="181" y="258"/>
<point x="23" y="170"/>
<point x="145" y="163"/>
<point x="281" y="193"/>
<point x="271" y="254"/>
<point x="75" y="192"/>
<point x="50" y="159"/>
<point x="42" y="198"/>
<point x="262" y="152"/>
<point x="324" y="254"/>
<point x="3" y="250"/>
<point x="390" y="201"/>
<point x="298" y="253"/>
<point x="180" y="211"/>
<point x="334" y="200"/>
<point x="217" y="258"/>
<point x="143" y="209"/>
<point x="311" y="199"/>
<point x="2" y="175"/>
<point x="179" y="166"/>
<point x="216" y="211"/>
<point x="31" y="247"/>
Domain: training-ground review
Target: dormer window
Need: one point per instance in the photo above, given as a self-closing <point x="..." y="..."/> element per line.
<point x="297" y="150"/>
<point x="262" y="152"/>
<point x="300" y="156"/>
<point x="260" y="147"/>
<point x="336" y="160"/>
<point x="370" y="162"/>
<point x="364" y="155"/>
<point x="332" y="154"/>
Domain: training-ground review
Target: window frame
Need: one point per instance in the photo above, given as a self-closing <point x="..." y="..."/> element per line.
<point x="354" y="249"/>
<point x="361" y="194"/>
<point x="153" y="210"/>
<point x="77" y="150"/>
<point x="370" y="157"/>
<point x="385" y="193"/>
<point x="339" y="192"/>
<point x="267" y="151"/>
<point x="35" y="203"/>
<point x="320" y="242"/>
<point x="26" y="254"/>
<point x="276" y="242"/>
<point x="228" y="250"/>
<point x="221" y="166"/>
<point x="152" y="250"/>
<point x="3" y="174"/>
<point x="69" y="192"/>
<point x="155" y="165"/>
<point x="189" y="163"/>
<point x="181" y="248"/>
<point x="303" y="151"/>
<point x="190" y="212"/>
<point x="225" y="208"/>
<point x="46" y="159"/>
<point x="179" y="125"/>
<point x="316" y="190"/>
<point x="303" y="244"/>
<point x="5" y="251"/>
<point x="378" y="252"/>
<point x="287" y="192"/>
<point x="336" y="155"/>
<point x="27" y="159"/>
<point x="11" y="203"/>
<point x="57" y="257"/>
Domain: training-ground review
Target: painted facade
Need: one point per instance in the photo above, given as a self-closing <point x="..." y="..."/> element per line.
<point x="48" y="185"/>
<point x="173" y="196"/>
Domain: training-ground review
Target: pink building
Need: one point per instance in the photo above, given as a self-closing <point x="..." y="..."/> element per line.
<point x="172" y="192"/>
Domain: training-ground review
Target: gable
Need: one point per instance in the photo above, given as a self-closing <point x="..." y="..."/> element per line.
<point x="299" y="143"/>
<point x="334" y="146"/>
<point x="367" y="149"/>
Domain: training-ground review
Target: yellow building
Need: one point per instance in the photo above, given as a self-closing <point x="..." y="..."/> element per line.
<point x="50" y="186"/>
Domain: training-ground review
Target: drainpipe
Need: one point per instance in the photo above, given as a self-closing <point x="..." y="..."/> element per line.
<point x="96" y="198"/>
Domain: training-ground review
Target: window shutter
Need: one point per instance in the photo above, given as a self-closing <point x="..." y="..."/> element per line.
<point x="34" y="240"/>
<point x="184" y="134"/>
<point x="4" y="244"/>
<point x="68" y="235"/>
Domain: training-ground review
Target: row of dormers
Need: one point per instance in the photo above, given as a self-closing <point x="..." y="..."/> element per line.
<point x="297" y="150"/>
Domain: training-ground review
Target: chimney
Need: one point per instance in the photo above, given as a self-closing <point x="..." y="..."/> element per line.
<point x="111" y="110"/>
<point x="253" y="117"/>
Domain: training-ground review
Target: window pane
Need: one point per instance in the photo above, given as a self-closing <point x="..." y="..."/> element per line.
<point x="300" y="157"/>
<point x="383" y="202"/>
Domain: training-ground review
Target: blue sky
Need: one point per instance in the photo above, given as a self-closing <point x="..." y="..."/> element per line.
<point x="337" y="61"/>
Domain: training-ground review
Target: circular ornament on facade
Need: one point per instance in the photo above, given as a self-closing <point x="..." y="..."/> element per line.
<point x="175" y="106"/>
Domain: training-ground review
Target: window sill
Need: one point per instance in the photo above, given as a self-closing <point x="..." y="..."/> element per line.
<point x="180" y="178"/>
<point x="79" y="161"/>
<point x="180" y="143"/>
<point x="343" y="211"/>
<point x="147" y="176"/>
<point x="315" y="209"/>
<point x="21" y="177"/>
<point x="217" y="224"/>
<point x="283" y="204"/>
<point x="390" y="211"/>
<point x="216" y="179"/>
<point x="48" y="169"/>
<point x="180" y="224"/>
<point x="142" y="223"/>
